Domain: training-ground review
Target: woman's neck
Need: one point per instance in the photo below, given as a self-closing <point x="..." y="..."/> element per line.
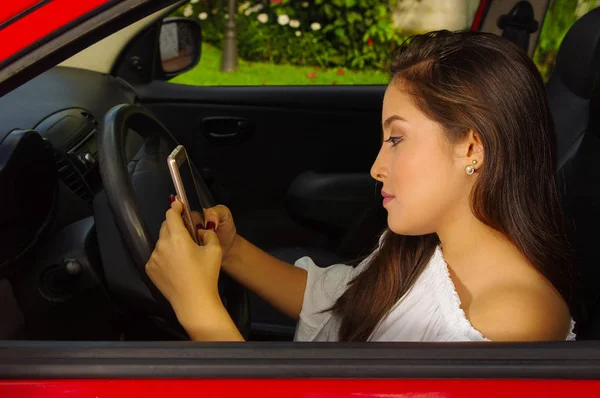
<point x="465" y="240"/>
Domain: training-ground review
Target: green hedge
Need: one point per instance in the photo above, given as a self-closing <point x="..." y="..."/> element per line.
<point x="561" y="15"/>
<point x="355" y="34"/>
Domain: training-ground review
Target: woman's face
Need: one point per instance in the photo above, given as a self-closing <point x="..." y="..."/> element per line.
<point x="423" y="174"/>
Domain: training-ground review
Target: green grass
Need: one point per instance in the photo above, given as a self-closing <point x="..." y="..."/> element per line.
<point x="207" y="73"/>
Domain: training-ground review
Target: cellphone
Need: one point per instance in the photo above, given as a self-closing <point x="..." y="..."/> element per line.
<point x="186" y="188"/>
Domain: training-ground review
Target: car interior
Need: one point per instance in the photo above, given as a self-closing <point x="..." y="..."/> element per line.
<point x="84" y="183"/>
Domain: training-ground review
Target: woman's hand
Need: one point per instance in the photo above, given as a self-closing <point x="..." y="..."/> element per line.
<point x="187" y="275"/>
<point x="220" y="220"/>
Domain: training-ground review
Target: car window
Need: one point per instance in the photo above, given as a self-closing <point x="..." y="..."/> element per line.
<point x="313" y="42"/>
<point x="561" y="15"/>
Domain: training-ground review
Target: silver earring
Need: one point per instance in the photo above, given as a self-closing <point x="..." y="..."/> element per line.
<point x="470" y="169"/>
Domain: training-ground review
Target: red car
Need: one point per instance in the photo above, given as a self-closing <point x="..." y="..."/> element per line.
<point x="87" y="118"/>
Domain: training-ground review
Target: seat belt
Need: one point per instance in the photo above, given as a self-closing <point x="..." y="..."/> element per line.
<point x="519" y="24"/>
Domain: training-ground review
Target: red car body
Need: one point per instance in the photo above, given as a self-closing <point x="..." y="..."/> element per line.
<point x="271" y="388"/>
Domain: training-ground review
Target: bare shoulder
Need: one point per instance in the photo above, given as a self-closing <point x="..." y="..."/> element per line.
<point x="527" y="310"/>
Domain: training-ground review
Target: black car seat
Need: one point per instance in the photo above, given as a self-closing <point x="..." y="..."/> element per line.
<point x="573" y="93"/>
<point x="269" y="324"/>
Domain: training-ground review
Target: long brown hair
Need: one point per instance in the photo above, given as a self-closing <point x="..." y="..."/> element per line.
<point x="481" y="82"/>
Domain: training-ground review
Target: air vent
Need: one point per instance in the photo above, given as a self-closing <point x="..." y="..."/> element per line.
<point x="71" y="176"/>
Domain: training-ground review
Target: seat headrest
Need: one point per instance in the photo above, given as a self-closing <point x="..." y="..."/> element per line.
<point x="578" y="59"/>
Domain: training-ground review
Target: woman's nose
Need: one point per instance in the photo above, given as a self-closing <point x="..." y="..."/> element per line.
<point x="378" y="171"/>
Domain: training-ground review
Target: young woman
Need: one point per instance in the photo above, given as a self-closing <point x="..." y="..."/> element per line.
<point x="475" y="247"/>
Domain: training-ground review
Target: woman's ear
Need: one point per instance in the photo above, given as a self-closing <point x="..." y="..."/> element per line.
<point x="470" y="148"/>
<point x="476" y="146"/>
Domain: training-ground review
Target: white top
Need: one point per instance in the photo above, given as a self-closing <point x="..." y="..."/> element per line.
<point x="430" y="311"/>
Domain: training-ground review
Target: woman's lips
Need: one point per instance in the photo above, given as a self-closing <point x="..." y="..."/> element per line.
<point x="387" y="198"/>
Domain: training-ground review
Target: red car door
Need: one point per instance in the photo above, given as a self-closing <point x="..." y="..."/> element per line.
<point x="265" y="370"/>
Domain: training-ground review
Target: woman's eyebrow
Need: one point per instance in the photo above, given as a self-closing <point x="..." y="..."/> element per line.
<point x="391" y="119"/>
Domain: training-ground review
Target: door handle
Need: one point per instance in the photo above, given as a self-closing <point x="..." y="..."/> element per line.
<point x="227" y="130"/>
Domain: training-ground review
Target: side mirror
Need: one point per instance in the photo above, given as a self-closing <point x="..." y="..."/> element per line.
<point x="180" y="44"/>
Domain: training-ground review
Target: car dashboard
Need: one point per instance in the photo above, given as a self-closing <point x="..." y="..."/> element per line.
<point x="65" y="106"/>
<point x="49" y="177"/>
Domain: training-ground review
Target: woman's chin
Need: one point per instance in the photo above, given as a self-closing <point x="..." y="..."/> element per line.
<point x="396" y="226"/>
<point x="402" y="227"/>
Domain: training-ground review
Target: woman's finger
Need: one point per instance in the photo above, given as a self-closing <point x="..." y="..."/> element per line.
<point x="177" y="206"/>
<point x="217" y="215"/>
<point x="211" y="216"/>
<point x="197" y="219"/>
<point x="201" y="233"/>
<point x="209" y="238"/>
<point x="174" y="220"/>
<point x="164" y="231"/>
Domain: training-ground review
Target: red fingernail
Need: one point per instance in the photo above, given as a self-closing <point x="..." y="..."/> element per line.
<point x="211" y="225"/>
<point x="171" y="199"/>
<point x="199" y="227"/>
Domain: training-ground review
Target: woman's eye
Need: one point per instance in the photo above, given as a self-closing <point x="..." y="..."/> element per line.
<point x="394" y="140"/>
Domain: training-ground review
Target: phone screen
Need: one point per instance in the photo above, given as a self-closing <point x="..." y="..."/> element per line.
<point x="189" y="184"/>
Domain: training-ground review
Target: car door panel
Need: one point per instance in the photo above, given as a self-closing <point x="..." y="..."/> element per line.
<point x="274" y="388"/>
<point x="291" y="162"/>
<point x="291" y="130"/>
<point x="180" y="370"/>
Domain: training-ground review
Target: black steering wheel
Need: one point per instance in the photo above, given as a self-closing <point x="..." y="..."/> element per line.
<point x="131" y="217"/>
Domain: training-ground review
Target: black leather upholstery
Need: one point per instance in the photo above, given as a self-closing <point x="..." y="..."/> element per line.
<point x="268" y="323"/>
<point x="573" y="96"/>
<point x="572" y="83"/>
<point x="346" y="205"/>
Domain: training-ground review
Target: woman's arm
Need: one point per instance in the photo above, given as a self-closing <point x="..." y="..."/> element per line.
<point x="277" y="282"/>
<point x="187" y="275"/>
<point x="211" y="324"/>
